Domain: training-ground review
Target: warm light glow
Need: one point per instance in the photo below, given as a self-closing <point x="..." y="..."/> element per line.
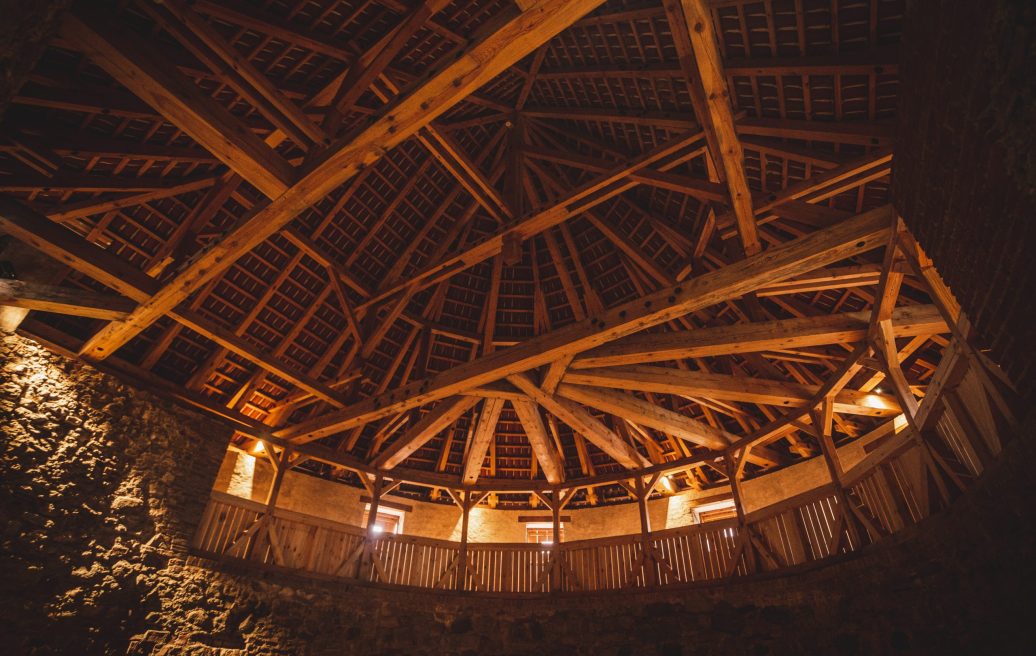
<point x="876" y="401"/>
<point x="667" y="484"/>
<point x="878" y="390"/>
<point x="543" y="532"/>
<point x="705" y="508"/>
<point x="11" y="318"/>
<point x="899" y="422"/>
<point x="394" y="528"/>
<point x="258" y="448"/>
<point x="242" y="481"/>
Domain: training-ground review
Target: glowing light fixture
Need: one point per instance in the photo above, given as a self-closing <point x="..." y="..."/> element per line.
<point x="259" y="447"/>
<point x="667" y="484"/>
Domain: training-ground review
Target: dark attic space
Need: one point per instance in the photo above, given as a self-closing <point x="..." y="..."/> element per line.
<point x="517" y="327"/>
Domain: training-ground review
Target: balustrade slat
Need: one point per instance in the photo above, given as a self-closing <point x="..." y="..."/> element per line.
<point x="889" y="487"/>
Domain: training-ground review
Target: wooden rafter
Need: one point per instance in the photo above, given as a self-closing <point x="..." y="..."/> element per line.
<point x="647" y="378"/>
<point x="542" y="447"/>
<point x="65" y="246"/>
<point x="854" y="236"/>
<point x="758" y="336"/>
<point x="501" y="214"/>
<point x="204" y="42"/>
<point x="608" y="185"/>
<point x="417" y="435"/>
<point x="62" y="300"/>
<point x="485" y="431"/>
<point x="512" y="40"/>
<point x="695" y="39"/>
<point x="126" y="58"/>
<point x="580" y="420"/>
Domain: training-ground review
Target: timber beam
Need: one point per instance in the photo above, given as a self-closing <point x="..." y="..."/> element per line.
<point x="627" y="406"/>
<point x="69" y="248"/>
<point x="135" y="64"/>
<point x="64" y="300"/>
<point x="485" y="433"/>
<point x="694" y="35"/>
<point x="852" y="237"/>
<point x="908" y="321"/>
<point x="723" y="387"/>
<point x="516" y="35"/>
<point x="430" y="425"/>
<point x="583" y="422"/>
<point x="542" y="446"/>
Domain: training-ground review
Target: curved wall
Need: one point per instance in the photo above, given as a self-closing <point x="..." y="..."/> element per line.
<point x="247" y="476"/>
<point x="959" y="582"/>
<point x="964" y="177"/>
<point x="101" y="488"/>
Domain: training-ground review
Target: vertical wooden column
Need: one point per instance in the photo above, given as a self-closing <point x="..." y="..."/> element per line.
<point x="372" y="515"/>
<point x="278" y="479"/>
<point x="884" y="343"/>
<point x="744" y="539"/>
<point x="462" y="555"/>
<point x="649" y="565"/>
<point x="281" y="465"/>
<point x="927" y="439"/>
<point x="555" y="547"/>
<point x="366" y="561"/>
<point x="822" y="428"/>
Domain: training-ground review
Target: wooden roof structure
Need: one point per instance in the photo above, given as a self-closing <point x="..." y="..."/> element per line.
<point x="481" y="244"/>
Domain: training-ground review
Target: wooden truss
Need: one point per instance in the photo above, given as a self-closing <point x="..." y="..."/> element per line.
<point x="468" y="277"/>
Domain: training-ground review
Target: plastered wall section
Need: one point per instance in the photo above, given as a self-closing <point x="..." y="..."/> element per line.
<point x="249" y="476"/>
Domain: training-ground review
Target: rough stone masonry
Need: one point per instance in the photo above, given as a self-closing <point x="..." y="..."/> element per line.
<point x="101" y="487"/>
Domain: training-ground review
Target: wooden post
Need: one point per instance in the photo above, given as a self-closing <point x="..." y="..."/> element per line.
<point x="278" y="480"/>
<point x="555" y="547"/>
<point x="649" y="565"/>
<point x="372" y="519"/>
<point x="281" y="466"/>
<point x="462" y="567"/>
<point x="372" y="514"/>
<point x="734" y="474"/>
<point x="822" y="428"/>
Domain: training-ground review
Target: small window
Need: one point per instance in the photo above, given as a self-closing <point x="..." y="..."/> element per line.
<point x="389" y="520"/>
<point x="542" y="532"/>
<point x="714" y="512"/>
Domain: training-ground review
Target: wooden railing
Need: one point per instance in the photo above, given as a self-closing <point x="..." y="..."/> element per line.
<point x="905" y="476"/>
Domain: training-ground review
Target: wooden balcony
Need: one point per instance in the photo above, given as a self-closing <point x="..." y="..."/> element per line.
<point x="904" y="478"/>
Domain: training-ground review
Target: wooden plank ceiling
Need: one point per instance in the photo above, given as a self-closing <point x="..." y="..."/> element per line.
<point x="425" y="233"/>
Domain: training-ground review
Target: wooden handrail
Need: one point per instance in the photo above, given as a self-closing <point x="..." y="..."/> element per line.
<point x="900" y="481"/>
<point x="790" y="502"/>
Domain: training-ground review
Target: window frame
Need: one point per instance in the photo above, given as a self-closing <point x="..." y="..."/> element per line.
<point x="399" y="516"/>
<point x="714" y="507"/>
<point x="544" y="526"/>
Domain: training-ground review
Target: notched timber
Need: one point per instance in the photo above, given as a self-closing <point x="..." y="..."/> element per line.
<point x="857" y="235"/>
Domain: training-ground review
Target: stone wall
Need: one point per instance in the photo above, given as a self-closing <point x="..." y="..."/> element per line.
<point x="250" y="477"/>
<point x="959" y="582"/>
<point x="100" y="487"/>
<point x="964" y="176"/>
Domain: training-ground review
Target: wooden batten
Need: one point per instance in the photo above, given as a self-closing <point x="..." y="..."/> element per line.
<point x="484" y="279"/>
